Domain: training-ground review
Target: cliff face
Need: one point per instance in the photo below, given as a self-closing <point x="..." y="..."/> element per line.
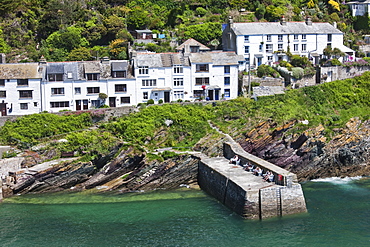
<point x="127" y="172"/>
<point x="310" y="154"/>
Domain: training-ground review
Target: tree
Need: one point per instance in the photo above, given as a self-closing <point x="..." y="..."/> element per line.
<point x="4" y="47"/>
<point x="118" y="49"/>
<point x="68" y="39"/>
<point x="204" y="33"/>
<point x="138" y="18"/>
<point x="80" y="54"/>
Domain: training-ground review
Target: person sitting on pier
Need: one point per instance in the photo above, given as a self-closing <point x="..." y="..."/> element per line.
<point x="266" y="176"/>
<point x="235" y="160"/>
<point x="258" y="171"/>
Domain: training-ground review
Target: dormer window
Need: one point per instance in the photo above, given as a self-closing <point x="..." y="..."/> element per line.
<point x="92" y="76"/>
<point x="119" y="69"/>
<point x="55" y="77"/>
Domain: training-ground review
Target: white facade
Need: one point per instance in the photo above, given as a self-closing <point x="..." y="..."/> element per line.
<point x="359" y="8"/>
<point x="266" y="43"/>
<point x="20" y="89"/>
<point x="164" y="77"/>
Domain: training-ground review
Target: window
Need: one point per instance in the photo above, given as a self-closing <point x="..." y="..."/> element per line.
<point x="329" y="37"/>
<point x="227" y="81"/>
<point x="280" y="37"/>
<point x="260" y="47"/>
<point x="269" y="48"/>
<point x="268" y="37"/>
<point x="246" y="39"/>
<point x="2" y="94"/>
<point x="69" y="75"/>
<point x="55" y="77"/>
<point x="57" y="91"/>
<point x="304" y="47"/>
<point x="178" y="69"/>
<point x="25" y="94"/>
<point x="178" y="94"/>
<point x="24" y="106"/>
<point x="328" y="45"/>
<point x="22" y="82"/>
<point x="77" y="90"/>
<point x="59" y="104"/>
<point x="92" y="76"/>
<point x="177" y="82"/>
<point x="119" y="74"/>
<point x="145" y="95"/>
<point x="280" y="47"/>
<point x="296" y="36"/>
<point x="125" y="100"/>
<point x="227" y="69"/>
<point x="202" y="81"/>
<point x="246" y="49"/>
<point x="227" y="93"/>
<point x="93" y="90"/>
<point x="143" y="70"/>
<point x="202" y="68"/>
<point x="304" y="36"/>
<point x="95" y="103"/>
<point x="198" y="93"/>
<point x="35" y="104"/>
<point x="2" y="82"/>
<point x="295" y="47"/>
<point x="120" y="88"/>
<point x="149" y="83"/>
<point x="269" y="58"/>
<point x="194" y="49"/>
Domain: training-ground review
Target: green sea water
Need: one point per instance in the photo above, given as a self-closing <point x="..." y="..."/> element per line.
<point x="338" y="215"/>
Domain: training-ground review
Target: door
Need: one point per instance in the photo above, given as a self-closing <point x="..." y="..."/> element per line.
<point x="166" y="97"/>
<point x="85" y="103"/>
<point x="78" y="105"/>
<point x="210" y="94"/>
<point x="3" y="109"/>
<point x="112" y="101"/>
<point x="259" y="61"/>
<point x="217" y="97"/>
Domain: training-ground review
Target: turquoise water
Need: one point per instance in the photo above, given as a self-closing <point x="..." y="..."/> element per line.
<point x="338" y="215"/>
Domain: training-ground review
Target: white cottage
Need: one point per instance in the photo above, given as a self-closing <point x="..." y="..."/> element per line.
<point x="269" y="42"/>
<point x="359" y="8"/>
<point x="20" y="89"/>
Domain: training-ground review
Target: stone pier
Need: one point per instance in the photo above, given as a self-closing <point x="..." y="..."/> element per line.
<point x="246" y="194"/>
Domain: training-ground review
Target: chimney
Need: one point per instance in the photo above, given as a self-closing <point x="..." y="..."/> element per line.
<point x="335" y="24"/>
<point x="308" y="21"/>
<point x="105" y="60"/>
<point x="282" y="21"/>
<point x="42" y="60"/>
<point x="2" y="58"/>
<point x="231" y="21"/>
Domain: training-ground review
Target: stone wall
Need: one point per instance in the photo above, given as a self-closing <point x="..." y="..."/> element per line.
<point x="10" y="165"/>
<point x="334" y="73"/>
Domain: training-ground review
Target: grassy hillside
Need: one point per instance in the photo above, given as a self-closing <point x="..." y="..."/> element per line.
<point x="174" y="125"/>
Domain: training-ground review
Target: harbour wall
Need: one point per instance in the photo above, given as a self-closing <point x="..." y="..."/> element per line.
<point x="259" y="200"/>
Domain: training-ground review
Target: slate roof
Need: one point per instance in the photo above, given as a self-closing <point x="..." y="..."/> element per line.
<point x="255" y="28"/>
<point x="156" y="60"/>
<point x="359" y="2"/>
<point x="192" y="42"/>
<point x="20" y="71"/>
<point x="216" y="58"/>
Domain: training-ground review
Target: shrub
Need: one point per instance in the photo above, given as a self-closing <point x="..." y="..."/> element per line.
<point x="265" y="70"/>
<point x="150" y="102"/>
<point x="160" y="101"/>
<point x="297" y="73"/>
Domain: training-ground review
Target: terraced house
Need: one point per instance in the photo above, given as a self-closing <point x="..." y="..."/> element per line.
<point x="269" y="42"/>
<point x="191" y="73"/>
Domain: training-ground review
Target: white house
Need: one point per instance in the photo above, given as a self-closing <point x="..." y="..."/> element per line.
<point x="20" y="89"/>
<point x="269" y="42"/>
<point x="359" y="8"/>
<point x="192" y="73"/>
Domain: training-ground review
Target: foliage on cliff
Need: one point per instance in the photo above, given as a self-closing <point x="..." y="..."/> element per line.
<point x="60" y="29"/>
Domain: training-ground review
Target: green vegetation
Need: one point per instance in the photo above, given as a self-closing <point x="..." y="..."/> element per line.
<point x="180" y="126"/>
<point x="84" y="30"/>
<point x="27" y="130"/>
